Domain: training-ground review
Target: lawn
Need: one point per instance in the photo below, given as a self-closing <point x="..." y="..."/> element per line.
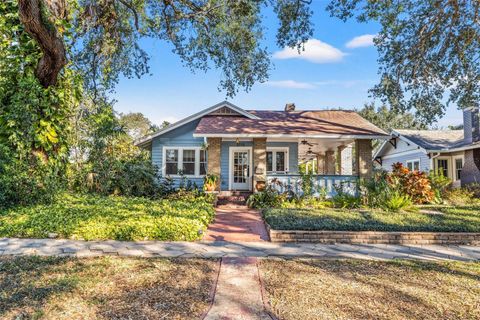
<point x="105" y="288"/>
<point x="118" y="218"/>
<point x="451" y="219"/>
<point x="354" y="289"/>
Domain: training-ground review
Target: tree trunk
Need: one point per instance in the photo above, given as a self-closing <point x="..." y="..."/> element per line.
<point x="50" y="42"/>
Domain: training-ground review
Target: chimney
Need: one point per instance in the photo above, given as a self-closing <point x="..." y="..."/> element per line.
<point x="471" y="124"/>
<point x="289" y="107"/>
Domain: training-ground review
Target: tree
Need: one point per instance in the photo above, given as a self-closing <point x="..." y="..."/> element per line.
<point x="137" y="125"/>
<point x="388" y="119"/>
<point x="101" y="38"/>
<point x="429" y="52"/>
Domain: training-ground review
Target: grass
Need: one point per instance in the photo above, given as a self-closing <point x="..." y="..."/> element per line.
<point x="451" y="219"/>
<point x="118" y="218"/>
<point x="354" y="289"/>
<point x="105" y="288"/>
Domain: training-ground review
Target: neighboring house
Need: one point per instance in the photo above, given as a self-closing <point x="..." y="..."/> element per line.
<point x="248" y="149"/>
<point x="456" y="153"/>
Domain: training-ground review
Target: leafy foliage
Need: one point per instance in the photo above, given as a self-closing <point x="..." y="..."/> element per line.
<point x="268" y="198"/>
<point x="388" y="119"/>
<point x="453" y="219"/>
<point x="119" y="218"/>
<point x="414" y="184"/>
<point x="34" y="121"/>
<point x="396" y="202"/>
<point x="429" y="52"/>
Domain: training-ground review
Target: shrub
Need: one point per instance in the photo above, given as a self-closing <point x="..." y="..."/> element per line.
<point x="346" y="201"/>
<point x="396" y="202"/>
<point x="440" y="184"/>
<point x="28" y="181"/>
<point x="374" y="191"/>
<point x="415" y="184"/>
<point x="266" y="199"/>
<point x="460" y="196"/>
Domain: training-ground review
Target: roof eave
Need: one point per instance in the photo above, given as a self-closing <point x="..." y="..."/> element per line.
<point x="282" y="135"/>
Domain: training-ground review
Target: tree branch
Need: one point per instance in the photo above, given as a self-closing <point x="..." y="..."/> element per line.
<point x="50" y="42"/>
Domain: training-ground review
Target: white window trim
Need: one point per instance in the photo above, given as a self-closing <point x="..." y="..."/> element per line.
<point x="412" y="161"/>
<point x="455" y="158"/>
<point x="274" y="158"/>
<point x="180" y="161"/>
<point x="230" y="166"/>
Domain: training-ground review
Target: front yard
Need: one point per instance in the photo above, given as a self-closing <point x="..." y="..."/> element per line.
<point x="105" y="288"/>
<point x="118" y="218"/>
<point x="448" y="219"/>
<point x="353" y="289"/>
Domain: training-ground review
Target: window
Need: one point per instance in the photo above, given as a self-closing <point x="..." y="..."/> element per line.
<point x="413" y="165"/>
<point x="277" y="160"/>
<point x="269" y="161"/>
<point x="442" y="167"/>
<point x="458" y="168"/>
<point x="171" y="161"/>
<point x="190" y="161"/>
<point x="203" y="162"/>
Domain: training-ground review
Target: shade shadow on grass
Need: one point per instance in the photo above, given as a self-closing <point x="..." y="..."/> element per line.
<point x="105" y="288"/>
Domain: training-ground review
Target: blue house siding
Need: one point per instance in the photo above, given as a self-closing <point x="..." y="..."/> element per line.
<point x="179" y="137"/>
<point x="392" y="158"/>
<point x="183" y="137"/>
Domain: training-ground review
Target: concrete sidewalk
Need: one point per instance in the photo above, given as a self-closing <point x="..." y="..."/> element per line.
<point x="216" y="249"/>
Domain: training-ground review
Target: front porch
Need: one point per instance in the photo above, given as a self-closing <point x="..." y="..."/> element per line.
<point x="251" y="164"/>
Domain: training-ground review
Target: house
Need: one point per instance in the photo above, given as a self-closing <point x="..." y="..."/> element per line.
<point x="248" y="149"/>
<point x="455" y="153"/>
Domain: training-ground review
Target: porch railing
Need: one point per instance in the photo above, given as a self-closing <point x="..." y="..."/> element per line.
<point x="326" y="184"/>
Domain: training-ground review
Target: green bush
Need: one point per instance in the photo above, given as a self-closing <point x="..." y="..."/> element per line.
<point x="397" y="202"/>
<point x="460" y="197"/>
<point x="440" y="185"/>
<point x="27" y="181"/>
<point x="266" y="199"/>
<point x="119" y="218"/>
<point x="346" y="201"/>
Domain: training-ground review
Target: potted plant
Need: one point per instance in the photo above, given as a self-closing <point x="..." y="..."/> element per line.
<point x="210" y="182"/>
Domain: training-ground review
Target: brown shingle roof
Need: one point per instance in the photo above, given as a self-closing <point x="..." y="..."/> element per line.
<point x="319" y="122"/>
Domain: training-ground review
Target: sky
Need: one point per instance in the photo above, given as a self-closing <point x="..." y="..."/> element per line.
<point x="336" y="70"/>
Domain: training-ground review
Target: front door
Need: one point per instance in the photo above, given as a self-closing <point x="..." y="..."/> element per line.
<point x="240" y="168"/>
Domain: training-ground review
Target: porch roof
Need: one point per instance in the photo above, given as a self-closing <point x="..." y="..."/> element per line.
<point x="318" y="123"/>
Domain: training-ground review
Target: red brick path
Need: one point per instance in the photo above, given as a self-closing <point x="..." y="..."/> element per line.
<point x="237" y="223"/>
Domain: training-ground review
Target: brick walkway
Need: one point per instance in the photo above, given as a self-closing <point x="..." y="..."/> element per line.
<point x="236" y="223"/>
<point x="238" y="294"/>
<point x="215" y="249"/>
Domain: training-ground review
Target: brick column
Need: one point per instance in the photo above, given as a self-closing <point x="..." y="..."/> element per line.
<point x="470" y="171"/>
<point x="344" y="159"/>
<point x="320" y="164"/>
<point x="330" y="162"/>
<point x="213" y="161"/>
<point x="363" y="157"/>
<point x="259" y="163"/>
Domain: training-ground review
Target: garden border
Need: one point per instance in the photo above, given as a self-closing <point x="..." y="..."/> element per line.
<point x="374" y="237"/>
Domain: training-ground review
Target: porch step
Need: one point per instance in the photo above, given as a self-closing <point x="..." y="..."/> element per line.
<point x="233" y="197"/>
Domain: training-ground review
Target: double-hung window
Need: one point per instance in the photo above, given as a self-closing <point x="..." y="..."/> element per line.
<point x="458" y="168"/>
<point x="413" y="165"/>
<point x="190" y="161"/>
<point x="442" y="167"/>
<point x="277" y="160"/>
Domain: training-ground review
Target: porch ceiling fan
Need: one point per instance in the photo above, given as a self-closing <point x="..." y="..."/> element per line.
<point x="306" y="143"/>
<point x="310" y="152"/>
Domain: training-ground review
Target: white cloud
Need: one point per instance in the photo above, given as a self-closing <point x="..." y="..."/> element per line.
<point x="365" y="40"/>
<point x="291" y="84"/>
<point x="315" y="51"/>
